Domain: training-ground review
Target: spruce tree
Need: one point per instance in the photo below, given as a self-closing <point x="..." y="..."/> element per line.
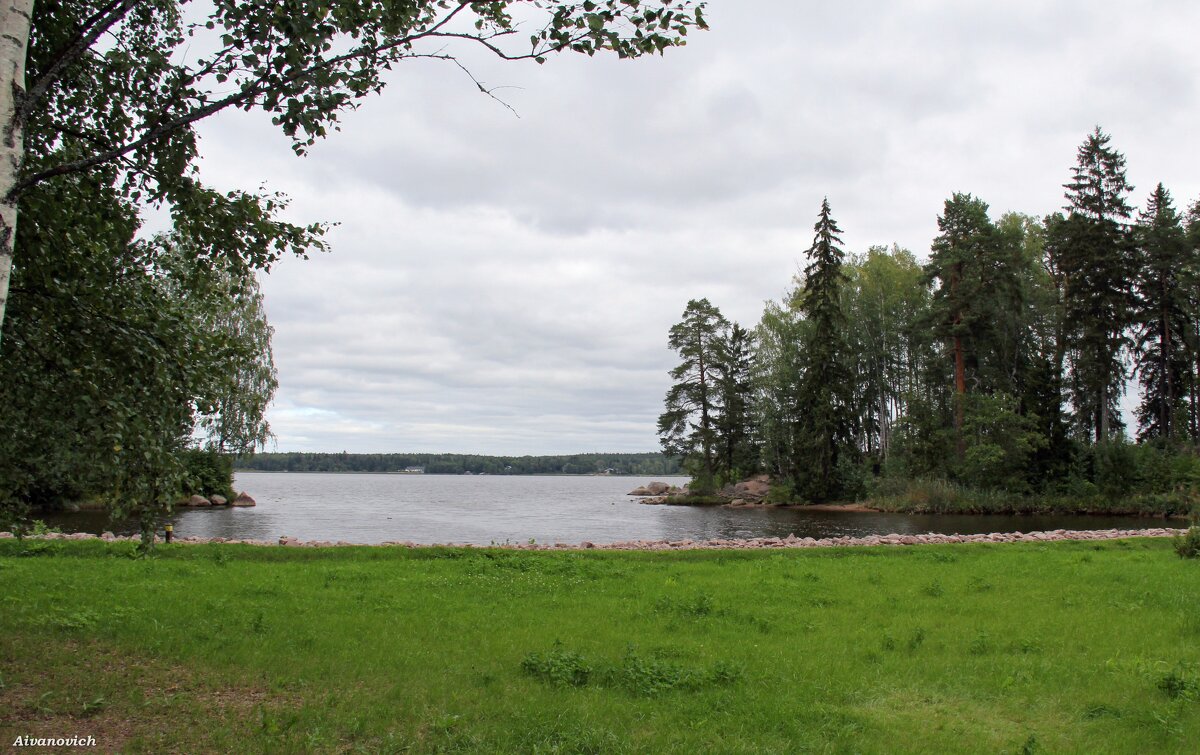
<point x="826" y="419"/>
<point x="737" y="456"/>
<point x="1165" y="317"/>
<point x="1093" y="252"/>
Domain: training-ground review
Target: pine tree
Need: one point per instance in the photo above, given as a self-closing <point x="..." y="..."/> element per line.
<point x="687" y="429"/>
<point x="1165" y="317"/>
<point x="1093" y="252"/>
<point x="960" y="256"/>
<point x="826" y="420"/>
<point x="1193" y="242"/>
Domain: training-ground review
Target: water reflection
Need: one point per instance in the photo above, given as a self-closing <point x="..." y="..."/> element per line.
<point x="483" y="510"/>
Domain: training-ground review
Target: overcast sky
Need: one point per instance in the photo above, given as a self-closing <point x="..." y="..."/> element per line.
<point x="504" y="285"/>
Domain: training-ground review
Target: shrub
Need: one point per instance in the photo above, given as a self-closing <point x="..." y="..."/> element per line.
<point x="208" y="473"/>
<point x="1187" y="545"/>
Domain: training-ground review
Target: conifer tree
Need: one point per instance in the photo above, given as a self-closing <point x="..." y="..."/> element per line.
<point x="1165" y="317"/>
<point x="737" y="456"/>
<point x="1092" y="250"/>
<point x="826" y="421"/>
<point x="687" y="429"/>
<point x="957" y="263"/>
<point x="1193" y="242"/>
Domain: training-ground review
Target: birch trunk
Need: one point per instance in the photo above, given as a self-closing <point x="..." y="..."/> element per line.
<point x="15" y="19"/>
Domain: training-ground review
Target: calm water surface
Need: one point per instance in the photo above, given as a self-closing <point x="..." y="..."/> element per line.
<point x="364" y="508"/>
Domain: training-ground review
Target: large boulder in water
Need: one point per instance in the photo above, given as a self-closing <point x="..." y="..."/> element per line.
<point x="653" y="489"/>
<point x="243" y="499"/>
<point x="219" y="500"/>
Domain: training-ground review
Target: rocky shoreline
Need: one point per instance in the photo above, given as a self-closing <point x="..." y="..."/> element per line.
<point x="791" y="541"/>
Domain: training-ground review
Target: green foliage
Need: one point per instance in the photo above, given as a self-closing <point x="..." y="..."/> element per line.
<point x="1165" y="316"/>
<point x="638" y="675"/>
<point x="705" y="380"/>
<point x="564" y="668"/>
<point x="1092" y="252"/>
<point x="999" y="444"/>
<point x="113" y="363"/>
<point x="825" y="428"/>
<point x="119" y="351"/>
<point x="1187" y="545"/>
<point x="208" y="472"/>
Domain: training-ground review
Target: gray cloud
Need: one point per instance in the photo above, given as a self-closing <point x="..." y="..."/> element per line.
<point x="503" y="284"/>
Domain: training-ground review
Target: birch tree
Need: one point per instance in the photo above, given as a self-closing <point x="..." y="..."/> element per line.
<point x="116" y="87"/>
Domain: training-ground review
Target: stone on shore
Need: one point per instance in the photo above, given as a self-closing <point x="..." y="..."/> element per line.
<point x="653" y="489"/>
<point x="243" y="499"/>
<point x="219" y="500"/>
<point x="199" y="500"/>
<point x="756" y="488"/>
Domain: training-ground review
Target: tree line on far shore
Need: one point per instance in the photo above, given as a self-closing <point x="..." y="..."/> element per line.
<point x="643" y="464"/>
<point x="998" y="364"/>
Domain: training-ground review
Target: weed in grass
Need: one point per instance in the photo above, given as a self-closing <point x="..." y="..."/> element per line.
<point x="559" y="667"/>
<point x="916" y="639"/>
<point x="888" y="643"/>
<point x="94" y="707"/>
<point x="943" y="557"/>
<point x="934" y="589"/>
<point x="641" y="676"/>
<point x="979" y="584"/>
<point x="810" y="577"/>
<point x="1180" y="683"/>
<point x="652" y="676"/>
<point x="981" y="644"/>
<point x="1024" y="647"/>
<point x="74" y="621"/>
<point x="762" y="625"/>
<point x="1101" y="710"/>
<point x="258" y="625"/>
<point x="699" y="606"/>
<point x="1030" y="746"/>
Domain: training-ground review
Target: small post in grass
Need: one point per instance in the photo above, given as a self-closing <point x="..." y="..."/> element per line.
<point x="170" y="531"/>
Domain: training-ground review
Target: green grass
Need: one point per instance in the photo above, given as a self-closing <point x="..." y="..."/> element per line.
<point x="1055" y="647"/>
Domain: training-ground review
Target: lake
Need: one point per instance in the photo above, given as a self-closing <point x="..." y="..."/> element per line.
<point x="369" y="508"/>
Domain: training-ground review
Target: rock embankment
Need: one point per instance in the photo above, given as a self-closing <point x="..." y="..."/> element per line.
<point x="791" y="541"/>
<point x="750" y="492"/>
<point x="199" y="501"/>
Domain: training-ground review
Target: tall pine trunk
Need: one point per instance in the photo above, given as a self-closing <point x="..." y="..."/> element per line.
<point x="15" y="19"/>
<point x="960" y="372"/>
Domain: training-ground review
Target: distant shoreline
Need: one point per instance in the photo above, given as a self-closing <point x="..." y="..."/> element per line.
<point x="454" y="474"/>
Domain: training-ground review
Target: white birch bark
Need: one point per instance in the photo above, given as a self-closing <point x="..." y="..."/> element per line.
<point x="15" y="19"/>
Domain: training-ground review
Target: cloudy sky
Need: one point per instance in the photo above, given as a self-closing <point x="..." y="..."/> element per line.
<point x="504" y="285"/>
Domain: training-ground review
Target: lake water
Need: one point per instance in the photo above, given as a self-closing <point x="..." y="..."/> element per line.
<point x="365" y="508"/>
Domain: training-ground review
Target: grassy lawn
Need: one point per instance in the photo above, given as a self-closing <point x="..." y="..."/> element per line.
<point x="1055" y="647"/>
